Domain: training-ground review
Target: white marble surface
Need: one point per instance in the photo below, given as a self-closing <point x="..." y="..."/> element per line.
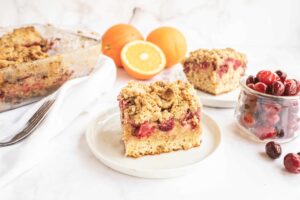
<point x="267" y="31"/>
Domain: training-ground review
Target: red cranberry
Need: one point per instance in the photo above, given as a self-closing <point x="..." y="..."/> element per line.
<point x="292" y="163"/>
<point x="271" y="108"/>
<point x="278" y="88"/>
<point x="282" y="75"/>
<point x="237" y="64"/>
<point x="271" y="119"/>
<point x="205" y="65"/>
<point x="251" y="85"/>
<point x="188" y="119"/>
<point x="265" y="132"/>
<point x="248" y="120"/>
<point x="250" y="79"/>
<point x="223" y="70"/>
<point x="298" y="87"/>
<point x="267" y="77"/>
<point x="167" y="125"/>
<point x="269" y="89"/>
<point x="290" y="87"/>
<point x="273" y="150"/>
<point x="260" y="87"/>
<point x="186" y="69"/>
<point x="144" y="130"/>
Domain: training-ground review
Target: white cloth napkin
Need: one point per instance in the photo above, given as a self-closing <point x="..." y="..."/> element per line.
<point x="71" y="100"/>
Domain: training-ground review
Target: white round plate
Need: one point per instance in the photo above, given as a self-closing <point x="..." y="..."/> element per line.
<point x="226" y="100"/>
<point x="104" y="139"/>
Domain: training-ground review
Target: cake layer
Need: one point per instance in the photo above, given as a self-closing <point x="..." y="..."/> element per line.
<point x="209" y="81"/>
<point x="179" y="138"/>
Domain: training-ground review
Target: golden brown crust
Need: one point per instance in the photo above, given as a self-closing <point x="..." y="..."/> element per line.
<point x="21" y="46"/>
<point x="215" y="56"/>
<point x="157" y="101"/>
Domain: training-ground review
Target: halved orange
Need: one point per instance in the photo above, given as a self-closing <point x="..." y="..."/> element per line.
<point x="142" y="60"/>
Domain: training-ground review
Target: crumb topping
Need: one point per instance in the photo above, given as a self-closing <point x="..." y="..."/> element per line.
<point x="215" y="56"/>
<point x="157" y="102"/>
<point x="22" y="45"/>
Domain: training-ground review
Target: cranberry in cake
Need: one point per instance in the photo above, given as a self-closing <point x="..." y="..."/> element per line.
<point x="215" y="71"/>
<point x="159" y="117"/>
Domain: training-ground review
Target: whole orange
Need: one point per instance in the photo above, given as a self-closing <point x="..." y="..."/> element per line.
<point x="171" y="41"/>
<point x="116" y="37"/>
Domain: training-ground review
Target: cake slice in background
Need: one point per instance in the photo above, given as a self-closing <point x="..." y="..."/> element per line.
<point x="159" y="117"/>
<point x="215" y="71"/>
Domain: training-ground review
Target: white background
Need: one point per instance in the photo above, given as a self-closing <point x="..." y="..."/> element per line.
<point x="267" y="31"/>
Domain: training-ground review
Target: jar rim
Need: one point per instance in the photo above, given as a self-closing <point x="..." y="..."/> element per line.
<point x="245" y="87"/>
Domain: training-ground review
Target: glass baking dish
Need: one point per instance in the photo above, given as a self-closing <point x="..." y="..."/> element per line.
<point x="73" y="54"/>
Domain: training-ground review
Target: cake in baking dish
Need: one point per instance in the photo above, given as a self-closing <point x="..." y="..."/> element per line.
<point x="215" y="71"/>
<point x="159" y="117"/>
<point x="19" y="78"/>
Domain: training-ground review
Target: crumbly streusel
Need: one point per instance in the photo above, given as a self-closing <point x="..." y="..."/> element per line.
<point x="22" y="45"/>
<point x="157" y="101"/>
<point x="216" y="56"/>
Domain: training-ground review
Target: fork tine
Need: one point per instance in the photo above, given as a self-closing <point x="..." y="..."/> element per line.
<point x="39" y="113"/>
<point x="32" y="123"/>
<point x="41" y="109"/>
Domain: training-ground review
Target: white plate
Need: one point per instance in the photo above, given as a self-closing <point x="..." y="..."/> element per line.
<point x="104" y="139"/>
<point x="226" y="100"/>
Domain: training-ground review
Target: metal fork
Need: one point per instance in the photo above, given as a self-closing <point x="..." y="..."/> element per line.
<point x="31" y="124"/>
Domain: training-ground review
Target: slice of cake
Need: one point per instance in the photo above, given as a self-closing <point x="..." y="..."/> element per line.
<point x="215" y="71"/>
<point x="159" y="117"/>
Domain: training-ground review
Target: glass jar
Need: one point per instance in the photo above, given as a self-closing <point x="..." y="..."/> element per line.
<point x="266" y="117"/>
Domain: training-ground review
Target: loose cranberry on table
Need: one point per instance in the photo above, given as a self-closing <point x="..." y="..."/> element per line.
<point x="273" y="150"/>
<point x="292" y="163"/>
